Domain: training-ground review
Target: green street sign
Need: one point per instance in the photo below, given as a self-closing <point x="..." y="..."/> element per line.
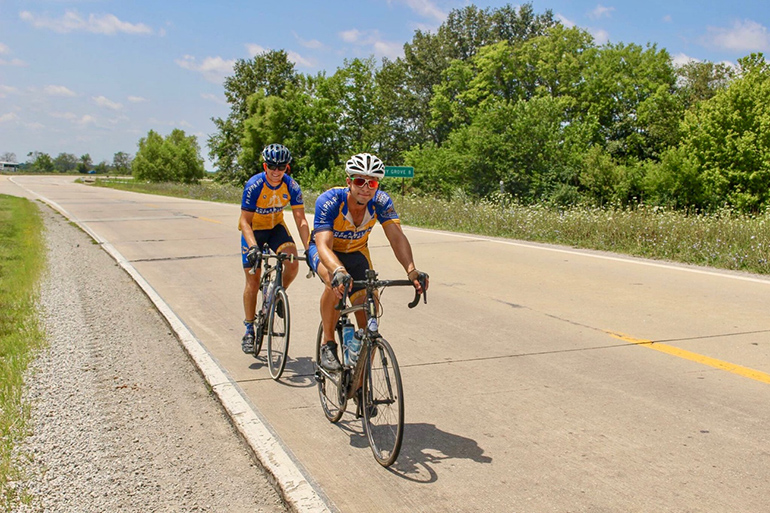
<point x="399" y="172"/>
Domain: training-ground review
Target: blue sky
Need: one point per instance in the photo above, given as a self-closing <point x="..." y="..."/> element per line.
<point x="93" y="76"/>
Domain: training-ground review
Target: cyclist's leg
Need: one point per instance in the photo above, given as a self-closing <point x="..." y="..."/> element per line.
<point x="281" y="241"/>
<point x="357" y="264"/>
<point x="250" y="290"/>
<point x="252" y="283"/>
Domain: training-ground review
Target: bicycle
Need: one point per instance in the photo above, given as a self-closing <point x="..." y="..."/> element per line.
<point x="273" y="316"/>
<point x="380" y="398"/>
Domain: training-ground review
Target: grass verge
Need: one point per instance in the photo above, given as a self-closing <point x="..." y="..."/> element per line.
<point x="724" y="240"/>
<point x="22" y="255"/>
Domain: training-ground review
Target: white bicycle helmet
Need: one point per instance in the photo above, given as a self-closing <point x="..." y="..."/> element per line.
<point x="365" y="164"/>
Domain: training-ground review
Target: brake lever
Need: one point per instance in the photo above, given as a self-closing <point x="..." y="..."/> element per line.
<point x="417" y="294"/>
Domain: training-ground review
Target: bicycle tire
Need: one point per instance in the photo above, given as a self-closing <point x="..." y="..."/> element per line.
<point x="383" y="403"/>
<point x="259" y="325"/>
<point x="278" y="332"/>
<point x="333" y="402"/>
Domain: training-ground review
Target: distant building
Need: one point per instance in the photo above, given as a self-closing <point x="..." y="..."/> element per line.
<point x="9" y="166"/>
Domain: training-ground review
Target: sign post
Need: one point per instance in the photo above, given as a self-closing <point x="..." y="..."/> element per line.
<point x="399" y="172"/>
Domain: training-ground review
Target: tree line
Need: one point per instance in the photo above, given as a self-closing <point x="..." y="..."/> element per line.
<point x="510" y="101"/>
<point x="174" y="158"/>
<point x="41" y="162"/>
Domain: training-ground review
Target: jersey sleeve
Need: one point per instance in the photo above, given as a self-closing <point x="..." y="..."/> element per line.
<point x="383" y="206"/>
<point x="251" y="193"/>
<point x="327" y="207"/>
<point x="295" y="192"/>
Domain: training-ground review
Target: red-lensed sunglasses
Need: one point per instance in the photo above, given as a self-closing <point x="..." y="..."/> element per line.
<point x="273" y="167"/>
<point x="371" y="182"/>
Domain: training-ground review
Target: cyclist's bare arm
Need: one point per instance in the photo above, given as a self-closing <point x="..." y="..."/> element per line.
<point x="403" y="251"/>
<point x="329" y="261"/>
<point x="302" y="225"/>
<point x="246" y="229"/>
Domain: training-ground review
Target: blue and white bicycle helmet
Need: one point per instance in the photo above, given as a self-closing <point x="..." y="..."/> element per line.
<point x="365" y="164"/>
<point x="276" y="154"/>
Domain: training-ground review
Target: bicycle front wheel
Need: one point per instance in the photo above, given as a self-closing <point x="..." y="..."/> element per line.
<point x="333" y="401"/>
<point x="278" y="324"/>
<point x="383" y="403"/>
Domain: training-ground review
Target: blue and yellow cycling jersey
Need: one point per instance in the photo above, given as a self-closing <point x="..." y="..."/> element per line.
<point x="331" y="214"/>
<point x="267" y="202"/>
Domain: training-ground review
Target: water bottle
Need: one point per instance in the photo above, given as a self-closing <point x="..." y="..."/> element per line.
<point x="267" y="295"/>
<point x="372" y="325"/>
<point x="347" y="340"/>
<point x="354" y="346"/>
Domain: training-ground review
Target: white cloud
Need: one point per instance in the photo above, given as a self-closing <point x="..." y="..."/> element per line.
<point x="254" y="49"/>
<point x="213" y="69"/>
<point x="742" y="36"/>
<point x="6" y="90"/>
<point x="667" y="18"/>
<point x="105" y="102"/>
<point x="372" y="38"/>
<point x="5" y="50"/>
<point x="351" y="36"/>
<point x="681" y="59"/>
<point x="313" y="44"/>
<point x="601" y="12"/>
<point x="214" y="98"/>
<point x="299" y="60"/>
<point x="55" y="90"/>
<point x="63" y="115"/>
<point x="425" y="8"/>
<point x="107" y="24"/>
<point x="11" y="116"/>
<point x="389" y="49"/>
<point x="601" y="36"/>
<point x="85" y="120"/>
<point x="565" y="21"/>
<point x="13" y="62"/>
<point x="136" y="99"/>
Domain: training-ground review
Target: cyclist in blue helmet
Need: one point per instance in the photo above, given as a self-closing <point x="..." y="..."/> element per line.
<point x="264" y="197"/>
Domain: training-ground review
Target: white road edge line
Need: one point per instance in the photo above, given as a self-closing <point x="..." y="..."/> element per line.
<point x="585" y="252"/>
<point x="296" y="488"/>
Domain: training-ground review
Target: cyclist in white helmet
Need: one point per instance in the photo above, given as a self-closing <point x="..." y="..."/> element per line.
<point x="344" y="217"/>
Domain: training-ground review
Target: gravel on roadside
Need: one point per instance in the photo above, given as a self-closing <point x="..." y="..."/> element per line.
<point x="121" y="420"/>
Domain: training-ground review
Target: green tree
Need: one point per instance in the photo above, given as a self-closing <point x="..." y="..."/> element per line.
<point x="617" y="82"/>
<point x="728" y="139"/>
<point x="85" y="163"/>
<point x="65" y="162"/>
<point x="121" y="163"/>
<point x="173" y="159"/>
<point x="461" y="36"/>
<point x="40" y="162"/>
<point x="699" y="81"/>
<point x="102" y="167"/>
<point x="270" y="74"/>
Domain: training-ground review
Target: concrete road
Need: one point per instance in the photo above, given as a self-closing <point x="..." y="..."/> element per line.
<point x="537" y="378"/>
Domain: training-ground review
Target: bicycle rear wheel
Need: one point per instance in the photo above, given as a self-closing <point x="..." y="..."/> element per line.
<point x="278" y="324"/>
<point x="383" y="403"/>
<point x="332" y="401"/>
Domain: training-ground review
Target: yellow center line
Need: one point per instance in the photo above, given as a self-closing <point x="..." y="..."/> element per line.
<point x="210" y="220"/>
<point x="695" y="357"/>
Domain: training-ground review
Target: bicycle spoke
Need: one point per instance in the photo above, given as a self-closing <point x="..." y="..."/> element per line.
<point x="328" y="388"/>
<point x="383" y="404"/>
<point x="279" y="321"/>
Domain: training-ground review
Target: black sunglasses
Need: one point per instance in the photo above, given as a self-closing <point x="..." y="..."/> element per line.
<point x="273" y="167"/>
